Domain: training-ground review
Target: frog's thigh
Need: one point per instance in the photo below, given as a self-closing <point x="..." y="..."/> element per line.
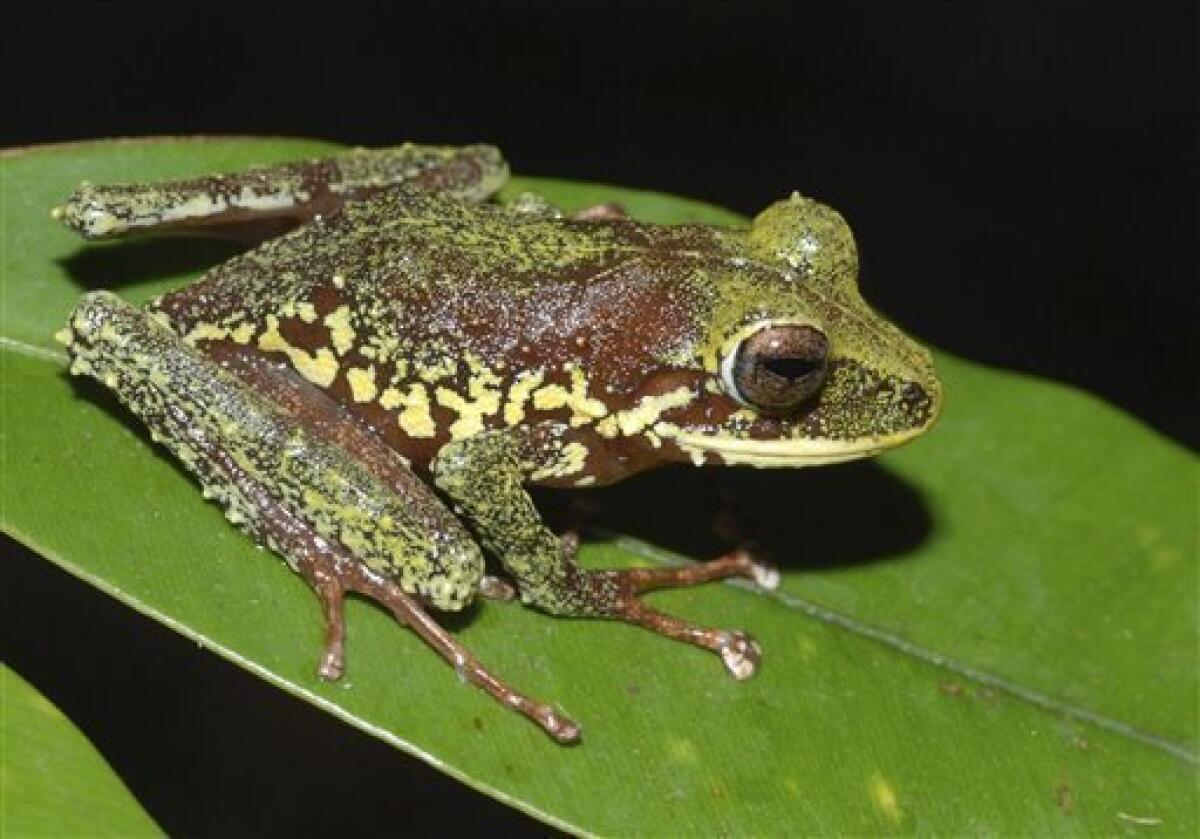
<point x="286" y="440"/>
<point x="325" y="418"/>
<point x="256" y="204"/>
<point x="485" y="474"/>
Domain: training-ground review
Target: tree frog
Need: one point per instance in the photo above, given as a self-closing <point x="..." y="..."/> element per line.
<point x="372" y="386"/>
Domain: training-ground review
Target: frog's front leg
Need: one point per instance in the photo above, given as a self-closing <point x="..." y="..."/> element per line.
<point x="255" y="204"/>
<point x="485" y="475"/>
<point x="335" y="502"/>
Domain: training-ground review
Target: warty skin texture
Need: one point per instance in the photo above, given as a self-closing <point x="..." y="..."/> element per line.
<point x="394" y="329"/>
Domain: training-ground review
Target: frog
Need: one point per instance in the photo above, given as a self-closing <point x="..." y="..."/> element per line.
<point x="371" y="388"/>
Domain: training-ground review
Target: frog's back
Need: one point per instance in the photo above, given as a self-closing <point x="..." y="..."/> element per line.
<point x="398" y="298"/>
<point x="404" y="244"/>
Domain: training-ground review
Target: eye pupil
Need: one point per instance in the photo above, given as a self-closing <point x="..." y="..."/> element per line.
<point x="791" y="367"/>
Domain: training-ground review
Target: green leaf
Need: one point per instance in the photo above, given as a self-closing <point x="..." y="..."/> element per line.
<point x="52" y="781"/>
<point x="993" y="630"/>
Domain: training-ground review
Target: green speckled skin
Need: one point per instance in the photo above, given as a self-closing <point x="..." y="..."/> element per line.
<point x="197" y="410"/>
<point x="406" y="322"/>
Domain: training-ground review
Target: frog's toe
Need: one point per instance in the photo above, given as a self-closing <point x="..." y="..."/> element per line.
<point x="495" y="588"/>
<point x="561" y="727"/>
<point x="333" y="663"/>
<point x="765" y="575"/>
<point x="741" y="654"/>
<point x="608" y="211"/>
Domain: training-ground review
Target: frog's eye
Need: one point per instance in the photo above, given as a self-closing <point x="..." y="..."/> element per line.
<point x="776" y="368"/>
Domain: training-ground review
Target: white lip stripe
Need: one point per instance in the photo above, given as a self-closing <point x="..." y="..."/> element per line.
<point x="784" y="453"/>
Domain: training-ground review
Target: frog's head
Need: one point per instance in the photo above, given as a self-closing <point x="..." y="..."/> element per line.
<point x="805" y="371"/>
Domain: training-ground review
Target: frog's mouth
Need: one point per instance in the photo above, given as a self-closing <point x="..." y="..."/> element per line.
<point x="860" y="412"/>
<point x="788" y="453"/>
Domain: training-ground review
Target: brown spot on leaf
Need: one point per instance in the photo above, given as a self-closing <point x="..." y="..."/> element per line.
<point x="1064" y="796"/>
<point x="951" y="688"/>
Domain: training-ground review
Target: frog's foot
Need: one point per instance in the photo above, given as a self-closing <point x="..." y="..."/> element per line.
<point x="495" y="588"/>
<point x="533" y="204"/>
<point x="608" y="211"/>
<point x="330" y="592"/>
<point x="331" y="576"/>
<point x="739" y="652"/>
<point x="409" y="612"/>
<point x="621" y="590"/>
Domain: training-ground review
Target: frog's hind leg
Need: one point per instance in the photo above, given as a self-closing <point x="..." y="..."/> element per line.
<point x="326" y="582"/>
<point x="484" y="475"/>
<point x="331" y="576"/>
<point x="300" y="478"/>
<point x="409" y="612"/>
<point x="258" y="203"/>
<point x="332" y="573"/>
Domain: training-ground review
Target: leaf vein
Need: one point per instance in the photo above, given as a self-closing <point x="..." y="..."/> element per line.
<point x="897" y="642"/>
<point x="32" y="351"/>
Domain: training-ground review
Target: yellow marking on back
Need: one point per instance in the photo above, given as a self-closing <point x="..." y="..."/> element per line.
<point x="551" y="397"/>
<point x="307" y="312"/>
<point x="584" y="408"/>
<point x="162" y="319"/>
<point x="443" y="368"/>
<point x="518" y="395"/>
<point x="482" y="399"/>
<point x="299" y="309"/>
<point x="205" y="331"/>
<point x="608" y="427"/>
<point x="320" y="369"/>
<point x="645" y="413"/>
<point x="570" y="461"/>
<point x="362" y="383"/>
<point x="341" y="333"/>
<point x="415" y="420"/>
<point x="384" y="348"/>
<point x="243" y="334"/>
<point x="650" y="408"/>
<point x="470" y="411"/>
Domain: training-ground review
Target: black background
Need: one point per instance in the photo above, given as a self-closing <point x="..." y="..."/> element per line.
<point x="1021" y="180"/>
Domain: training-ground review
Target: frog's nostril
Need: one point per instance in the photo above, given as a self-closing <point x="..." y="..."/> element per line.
<point x="913" y="392"/>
